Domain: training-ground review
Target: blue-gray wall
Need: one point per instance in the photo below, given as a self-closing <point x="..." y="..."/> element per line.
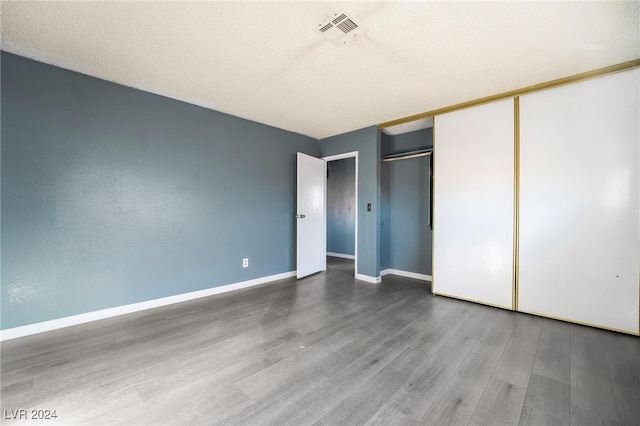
<point x="408" y="194"/>
<point x="410" y="141"/>
<point x="341" y="205"/>
<point x="112" y="196"/>
<point x="367" y="143"/>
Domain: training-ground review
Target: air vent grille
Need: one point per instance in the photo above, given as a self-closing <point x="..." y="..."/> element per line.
<point x="347" y="26"/>
<point x="326" y="27"/>
<point x="340" y="28"/>
<point x="339" y="18"/>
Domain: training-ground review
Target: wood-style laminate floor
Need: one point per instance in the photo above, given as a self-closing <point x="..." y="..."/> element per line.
<point x="325" y="350"/>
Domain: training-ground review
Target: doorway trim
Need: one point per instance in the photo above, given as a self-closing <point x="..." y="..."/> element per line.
<point x="352" y="154"/>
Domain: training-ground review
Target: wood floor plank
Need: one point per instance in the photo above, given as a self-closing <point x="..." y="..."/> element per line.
<point x="423" y="304"/>
<point x="553" y="355"/>
<point x="126" y="363"/>
<point x="422" y="389"/>
<point x="591" y="387"/>
<point x="582" y="417"/>
<point x="456" y="403"/>
<point x="326" y="349"/>
<point x="356" y="371"/>
<point x="347" y="372"/>
<point x="623" y="365"/>
<point x="389" y="415"/>
<point x="495" y="338"/>
<point x="500" y="404"/>
<point x="517" y="360"/>
<point x="360" y="405"/>
<point x="439" y="332"/>
<point x="435" y="313"/>
<point x="307" y="409"/>
<point x="636" y="345"/>
<point x="546" y="402"/>
<point x="478" y="322"/>
<point x="296" y="367"/>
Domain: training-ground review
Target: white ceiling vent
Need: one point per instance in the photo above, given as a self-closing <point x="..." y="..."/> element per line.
<point x="339" y="29"/>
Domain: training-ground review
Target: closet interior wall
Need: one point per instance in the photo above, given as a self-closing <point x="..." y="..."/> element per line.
<point x="405" y="192"/>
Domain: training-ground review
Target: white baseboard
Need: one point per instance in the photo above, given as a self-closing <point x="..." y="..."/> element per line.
<point x="26" y="330"/>
<point x="407" y="274"/>
<point x="344" y="256"/>
<point x="369" y="279"/>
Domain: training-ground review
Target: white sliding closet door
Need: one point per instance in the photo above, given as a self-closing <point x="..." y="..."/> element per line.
<point x="580" y="202"/>
<point x="474" y="204"/>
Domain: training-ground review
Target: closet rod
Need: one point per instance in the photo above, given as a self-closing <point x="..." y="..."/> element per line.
<point x="407" y="155"/>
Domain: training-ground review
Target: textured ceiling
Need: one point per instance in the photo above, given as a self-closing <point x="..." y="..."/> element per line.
<point x="263" y="60"/>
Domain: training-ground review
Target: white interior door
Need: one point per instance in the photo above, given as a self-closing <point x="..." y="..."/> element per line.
<point x="311" y="239"/>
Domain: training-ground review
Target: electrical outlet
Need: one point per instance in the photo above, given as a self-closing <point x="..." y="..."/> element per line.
<point x="245" y="262"/>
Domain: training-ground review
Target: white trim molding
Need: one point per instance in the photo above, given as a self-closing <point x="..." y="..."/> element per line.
<point x="369" y="279"/>
<point x="344" y="256"/>
<point x="407" y="274"/>
<point x="41" y="327"/>
<point x="341" y="156"/>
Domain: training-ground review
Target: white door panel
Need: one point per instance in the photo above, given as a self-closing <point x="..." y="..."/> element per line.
<point x="311" y="221"/>
<point x="580" y="201"/>
<point x="474" y="204"/>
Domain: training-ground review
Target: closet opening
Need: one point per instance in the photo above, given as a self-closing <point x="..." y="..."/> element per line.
<point x="407" y="199"/>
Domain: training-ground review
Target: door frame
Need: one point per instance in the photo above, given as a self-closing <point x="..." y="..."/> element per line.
<point x="352" y="154"/>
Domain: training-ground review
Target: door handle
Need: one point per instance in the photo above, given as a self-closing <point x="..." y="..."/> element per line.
<point x="300" y="216"/>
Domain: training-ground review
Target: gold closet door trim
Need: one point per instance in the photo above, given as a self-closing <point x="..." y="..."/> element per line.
<point x="513" y="93"/>
<point x="516" y="199"/>
<point x="433" y="207"/>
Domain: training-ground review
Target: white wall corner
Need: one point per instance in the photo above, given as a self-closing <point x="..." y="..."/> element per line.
<point x="369" y="279"/>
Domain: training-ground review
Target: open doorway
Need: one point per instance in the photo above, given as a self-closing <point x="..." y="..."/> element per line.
<point x="342" y="208"/>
